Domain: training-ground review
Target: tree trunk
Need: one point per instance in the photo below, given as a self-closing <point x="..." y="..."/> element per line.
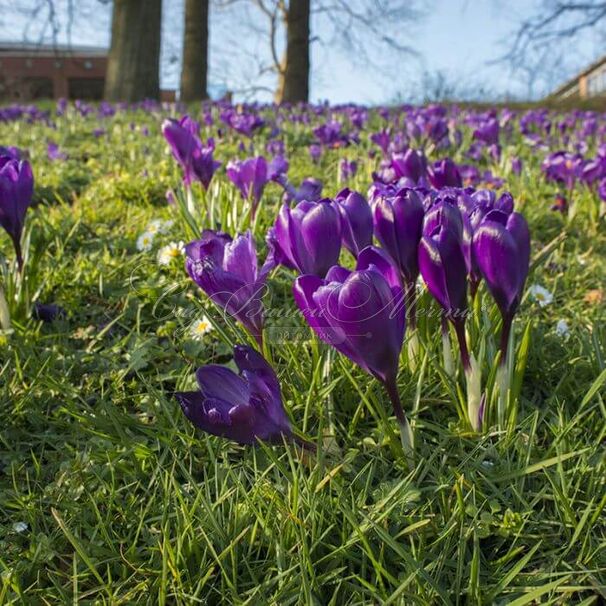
<point x="195" y="51"/>
<point x="294" y="79"/>
<point x="133" y="65"/>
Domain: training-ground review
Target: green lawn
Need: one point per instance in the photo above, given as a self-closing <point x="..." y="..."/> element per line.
<point x="125" y="502"/>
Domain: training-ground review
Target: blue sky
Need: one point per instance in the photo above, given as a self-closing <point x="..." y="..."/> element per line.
<point x="459" y="38"/>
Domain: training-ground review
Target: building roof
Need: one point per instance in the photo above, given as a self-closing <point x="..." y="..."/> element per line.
<point x="575" y="80"/>
<point x="34" y="48"/>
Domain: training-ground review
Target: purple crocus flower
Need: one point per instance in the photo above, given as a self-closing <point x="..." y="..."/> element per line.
<point x="382" y="139"/>
<point x="410" y="165"/>
<point x="347" y="169"/>
<point x="195" y="159"/>
<point x="241" y="122"/>
<point x="563" y="167"/>
<point x="307" y="237"/>
<point x="310" y="190"/>
<point x="330" y="134"/>
<point x="444" y="270"/>
<point x="277" y="169"/>
<point x="442" y="265"/>
<point x="250" y="176"/>
<point x="315" y="152"/>
<point x="444" y="173"/>
<point x="516" y="165"/>
<point x="361" y="314"/>
<point x="227" y="271"/>
<point x="356" y="223"/>
<point x="487" y="132"/>
<point x="11" y="152"/>
<point x="16" y="190"/>
<point x="398" y="226"/>
<point x="54" y="152"/>
<point x="501" y="249"/>
<point x="243" y="407"/>
<point x="275" y="147"/>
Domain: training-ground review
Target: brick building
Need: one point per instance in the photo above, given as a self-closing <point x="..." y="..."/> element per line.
<point x="591" y="82"/>
<point x="39" y="71"/>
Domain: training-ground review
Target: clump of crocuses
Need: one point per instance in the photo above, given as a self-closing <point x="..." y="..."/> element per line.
<point x="467" y="237"/>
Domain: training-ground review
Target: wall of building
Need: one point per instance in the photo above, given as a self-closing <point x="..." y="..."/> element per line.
<point x="31" y="76"/>
<point x="26" y="77"/>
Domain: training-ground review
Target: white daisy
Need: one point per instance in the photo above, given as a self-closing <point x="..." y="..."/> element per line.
<point x="200" y="327"/>
<point x="562" y="329"/>
<point x="19" y="527"/>
<point x="145" y="241"/>
<point x="541" y="295"/>
<point x="169" y="252"/>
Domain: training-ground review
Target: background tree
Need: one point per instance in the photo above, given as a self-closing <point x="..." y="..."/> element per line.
<point x="194" y="67"/>
<point x="542" y="45"/>
<point x="286" y="29"/>
<point x="133" y="67"/>
<point x="293" y="82"/>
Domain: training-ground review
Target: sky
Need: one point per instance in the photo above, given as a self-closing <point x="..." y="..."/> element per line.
<point x="455" y="41"/>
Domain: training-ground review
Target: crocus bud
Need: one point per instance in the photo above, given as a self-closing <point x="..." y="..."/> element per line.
<point x="442" y="265"/>
<point x="243" y="407"/>
<point x="398" y="225"/>
<point x="16" y="190"/>
<point x="356" y="220"/>
<point x="501" y="249"/>
<point x="308" y="237"/>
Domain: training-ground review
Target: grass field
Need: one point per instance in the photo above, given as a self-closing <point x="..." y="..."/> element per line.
<point x="108" y="495"/>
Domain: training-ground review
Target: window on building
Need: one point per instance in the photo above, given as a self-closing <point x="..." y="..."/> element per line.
<point x="86" y="88"/>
